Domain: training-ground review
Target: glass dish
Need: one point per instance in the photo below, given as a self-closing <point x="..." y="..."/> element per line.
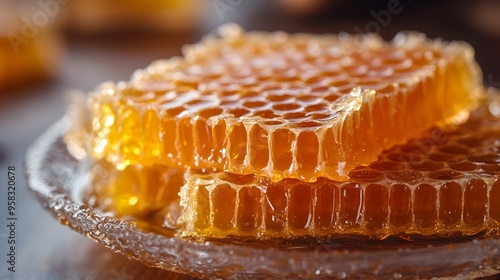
<point x="52" y="172"/>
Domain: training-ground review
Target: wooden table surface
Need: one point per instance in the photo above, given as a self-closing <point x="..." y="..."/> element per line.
<point x="48" y="250"/>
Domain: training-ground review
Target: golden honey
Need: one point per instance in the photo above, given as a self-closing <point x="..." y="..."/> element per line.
<point x="446" y="183"/>
<point x="137" y="191"/>
<point x="271" y="135"/>
<point x="283" y="106"/>
<point x="443" y="184"/>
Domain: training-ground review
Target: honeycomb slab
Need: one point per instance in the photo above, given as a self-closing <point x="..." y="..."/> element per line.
<point x="447" y="183"/>
<point x="283" y="106"/>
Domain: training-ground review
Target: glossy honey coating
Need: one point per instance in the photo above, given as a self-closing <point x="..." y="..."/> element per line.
<point x="135" y="192"/>
<point x="283" y="106"/>
<point x="446" y="183"/>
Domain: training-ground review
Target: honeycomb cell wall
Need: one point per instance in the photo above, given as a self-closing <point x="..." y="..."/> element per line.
<point x="446" y="183"/>
<point x="283" y="106"/>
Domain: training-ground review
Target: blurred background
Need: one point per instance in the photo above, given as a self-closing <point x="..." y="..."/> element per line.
<point x="51" y="47"/>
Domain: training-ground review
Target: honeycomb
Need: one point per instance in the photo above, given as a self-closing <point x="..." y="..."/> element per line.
<point x="283" y="106"/>
<point x="445" y="183"/>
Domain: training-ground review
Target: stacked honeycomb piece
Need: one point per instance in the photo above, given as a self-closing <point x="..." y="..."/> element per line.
<point x="282" y="135"/>
<point x="444" y="183"/>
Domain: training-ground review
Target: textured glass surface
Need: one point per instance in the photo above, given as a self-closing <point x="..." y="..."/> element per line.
<point x="53" y="176"/>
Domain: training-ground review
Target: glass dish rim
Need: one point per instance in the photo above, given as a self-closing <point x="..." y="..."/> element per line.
<point x="476" y="257"/>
